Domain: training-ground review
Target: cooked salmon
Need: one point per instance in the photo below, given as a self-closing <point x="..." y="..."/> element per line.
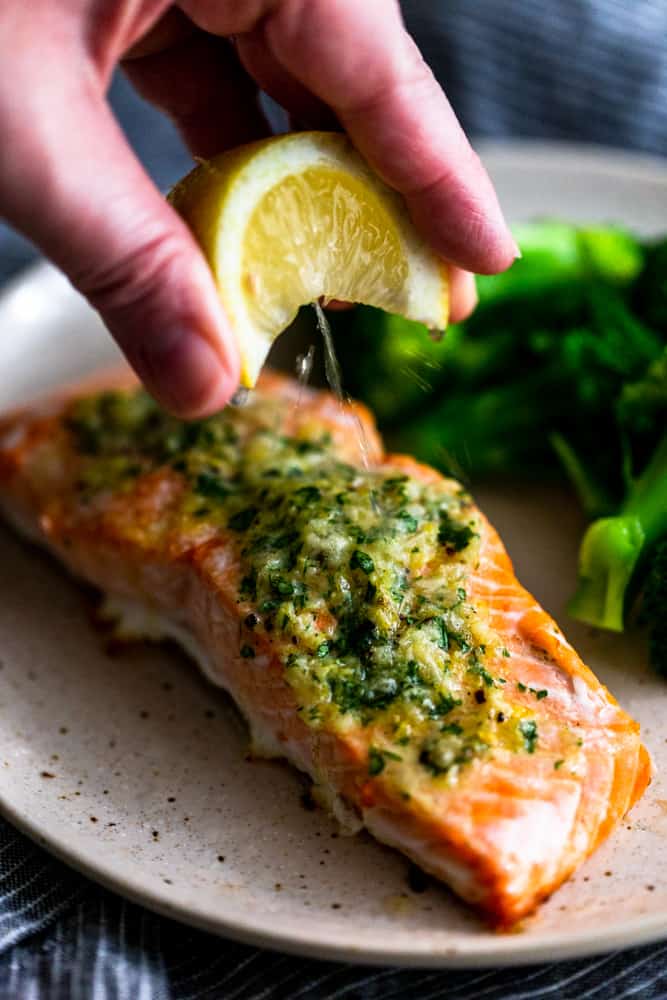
<point x="360" y="610"/>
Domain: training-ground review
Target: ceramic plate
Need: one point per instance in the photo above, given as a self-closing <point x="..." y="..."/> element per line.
<point x="133" y="769"/>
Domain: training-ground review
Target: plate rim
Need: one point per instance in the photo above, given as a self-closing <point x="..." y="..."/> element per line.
<point x="503" y="951"/>
<point x="506" y="950"/>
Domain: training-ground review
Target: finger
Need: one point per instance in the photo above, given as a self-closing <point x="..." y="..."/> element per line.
<point x="462" y="294"/>
<point x="75" y="189"/>
<point x="198" y="81"/>
<point x="336" y="305"/>
<point x="169" y="30"/>
<point x="305" y="110"/>
<point x="358" y="59"/>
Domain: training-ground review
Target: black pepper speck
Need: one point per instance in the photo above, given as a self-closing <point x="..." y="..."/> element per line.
<point x="308" y="802"/>
<point x="418" y="880"/>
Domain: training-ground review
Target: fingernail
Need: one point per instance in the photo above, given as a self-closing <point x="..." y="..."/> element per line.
<point x="185" y="372"/>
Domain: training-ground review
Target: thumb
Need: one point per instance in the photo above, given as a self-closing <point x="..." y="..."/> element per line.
<point x="75" y="188"/>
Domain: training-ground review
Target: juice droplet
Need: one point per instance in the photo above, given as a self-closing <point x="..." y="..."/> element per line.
<point x="333" y="376"/>
<point x="240" y="397"/>
<point x="331" y="366"/>
<point x="304" y="365"/>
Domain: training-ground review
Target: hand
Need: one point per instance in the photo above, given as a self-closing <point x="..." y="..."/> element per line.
<point x="69" y="181"/>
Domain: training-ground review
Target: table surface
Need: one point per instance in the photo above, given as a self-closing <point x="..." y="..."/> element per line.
<point x="63" y="936"/>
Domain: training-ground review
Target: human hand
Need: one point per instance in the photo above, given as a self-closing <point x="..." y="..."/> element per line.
<point x="70" y="182"/>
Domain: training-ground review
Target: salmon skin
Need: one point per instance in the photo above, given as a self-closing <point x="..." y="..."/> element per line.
<point x="363" y="614"/>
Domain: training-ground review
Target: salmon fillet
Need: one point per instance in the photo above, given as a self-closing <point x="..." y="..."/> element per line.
<point x="364" y="616"/>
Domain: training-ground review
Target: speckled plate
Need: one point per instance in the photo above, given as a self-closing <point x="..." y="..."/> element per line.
<point x="133" y="769"/>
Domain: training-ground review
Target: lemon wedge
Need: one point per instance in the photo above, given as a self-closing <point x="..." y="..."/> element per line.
<point x="288" y="220"/>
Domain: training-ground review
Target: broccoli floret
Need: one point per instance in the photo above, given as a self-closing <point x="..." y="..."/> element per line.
<point x="616" y="549"/>
<point x="650" y="289"/>
<point x="642" y="405"/>
<point x="557" y="255"/>
<point x="608" y="556"/>
<point x="593" y="495"/>
<point x="487" y="432"/>
<point x="654" y="608"/>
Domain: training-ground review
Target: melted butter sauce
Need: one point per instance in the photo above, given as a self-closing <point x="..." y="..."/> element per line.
<point x="356" y="576"/>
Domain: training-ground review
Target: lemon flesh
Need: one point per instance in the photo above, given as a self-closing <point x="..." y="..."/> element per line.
<point x="288" y="220"/>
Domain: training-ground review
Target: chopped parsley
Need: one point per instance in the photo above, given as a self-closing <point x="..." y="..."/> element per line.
<point x="356" y="577"/>
<point x="453" y="535"/>
<point x="407" y="521"/>
<point x="528" y="729"/>
<point x="376" y="762"/>
<point x="361" y="560"/>
<point x="480" y="671"/>
<point x="211" y="486"/>
<point x="242" y="520"/>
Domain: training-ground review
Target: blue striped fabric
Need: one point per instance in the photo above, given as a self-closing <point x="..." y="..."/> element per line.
<point x="584" y="70"/>
<point x="83" y="943"/>
<point x="571" y="69"/>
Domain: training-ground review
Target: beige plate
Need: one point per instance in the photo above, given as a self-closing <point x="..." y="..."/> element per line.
<point x="132" y="768"/>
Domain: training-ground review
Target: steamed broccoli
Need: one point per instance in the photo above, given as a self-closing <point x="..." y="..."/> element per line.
<point x="561" y="371"/>
<point x="614" y="549"/>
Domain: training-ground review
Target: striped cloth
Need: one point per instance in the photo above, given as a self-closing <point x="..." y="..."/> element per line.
<point x="584" y="70"/>
<point x="578" y="70"/>
<point x="63" y="938"/>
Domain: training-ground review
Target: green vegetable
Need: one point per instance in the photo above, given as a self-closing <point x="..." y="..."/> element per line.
<point x="614" y="548"/>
